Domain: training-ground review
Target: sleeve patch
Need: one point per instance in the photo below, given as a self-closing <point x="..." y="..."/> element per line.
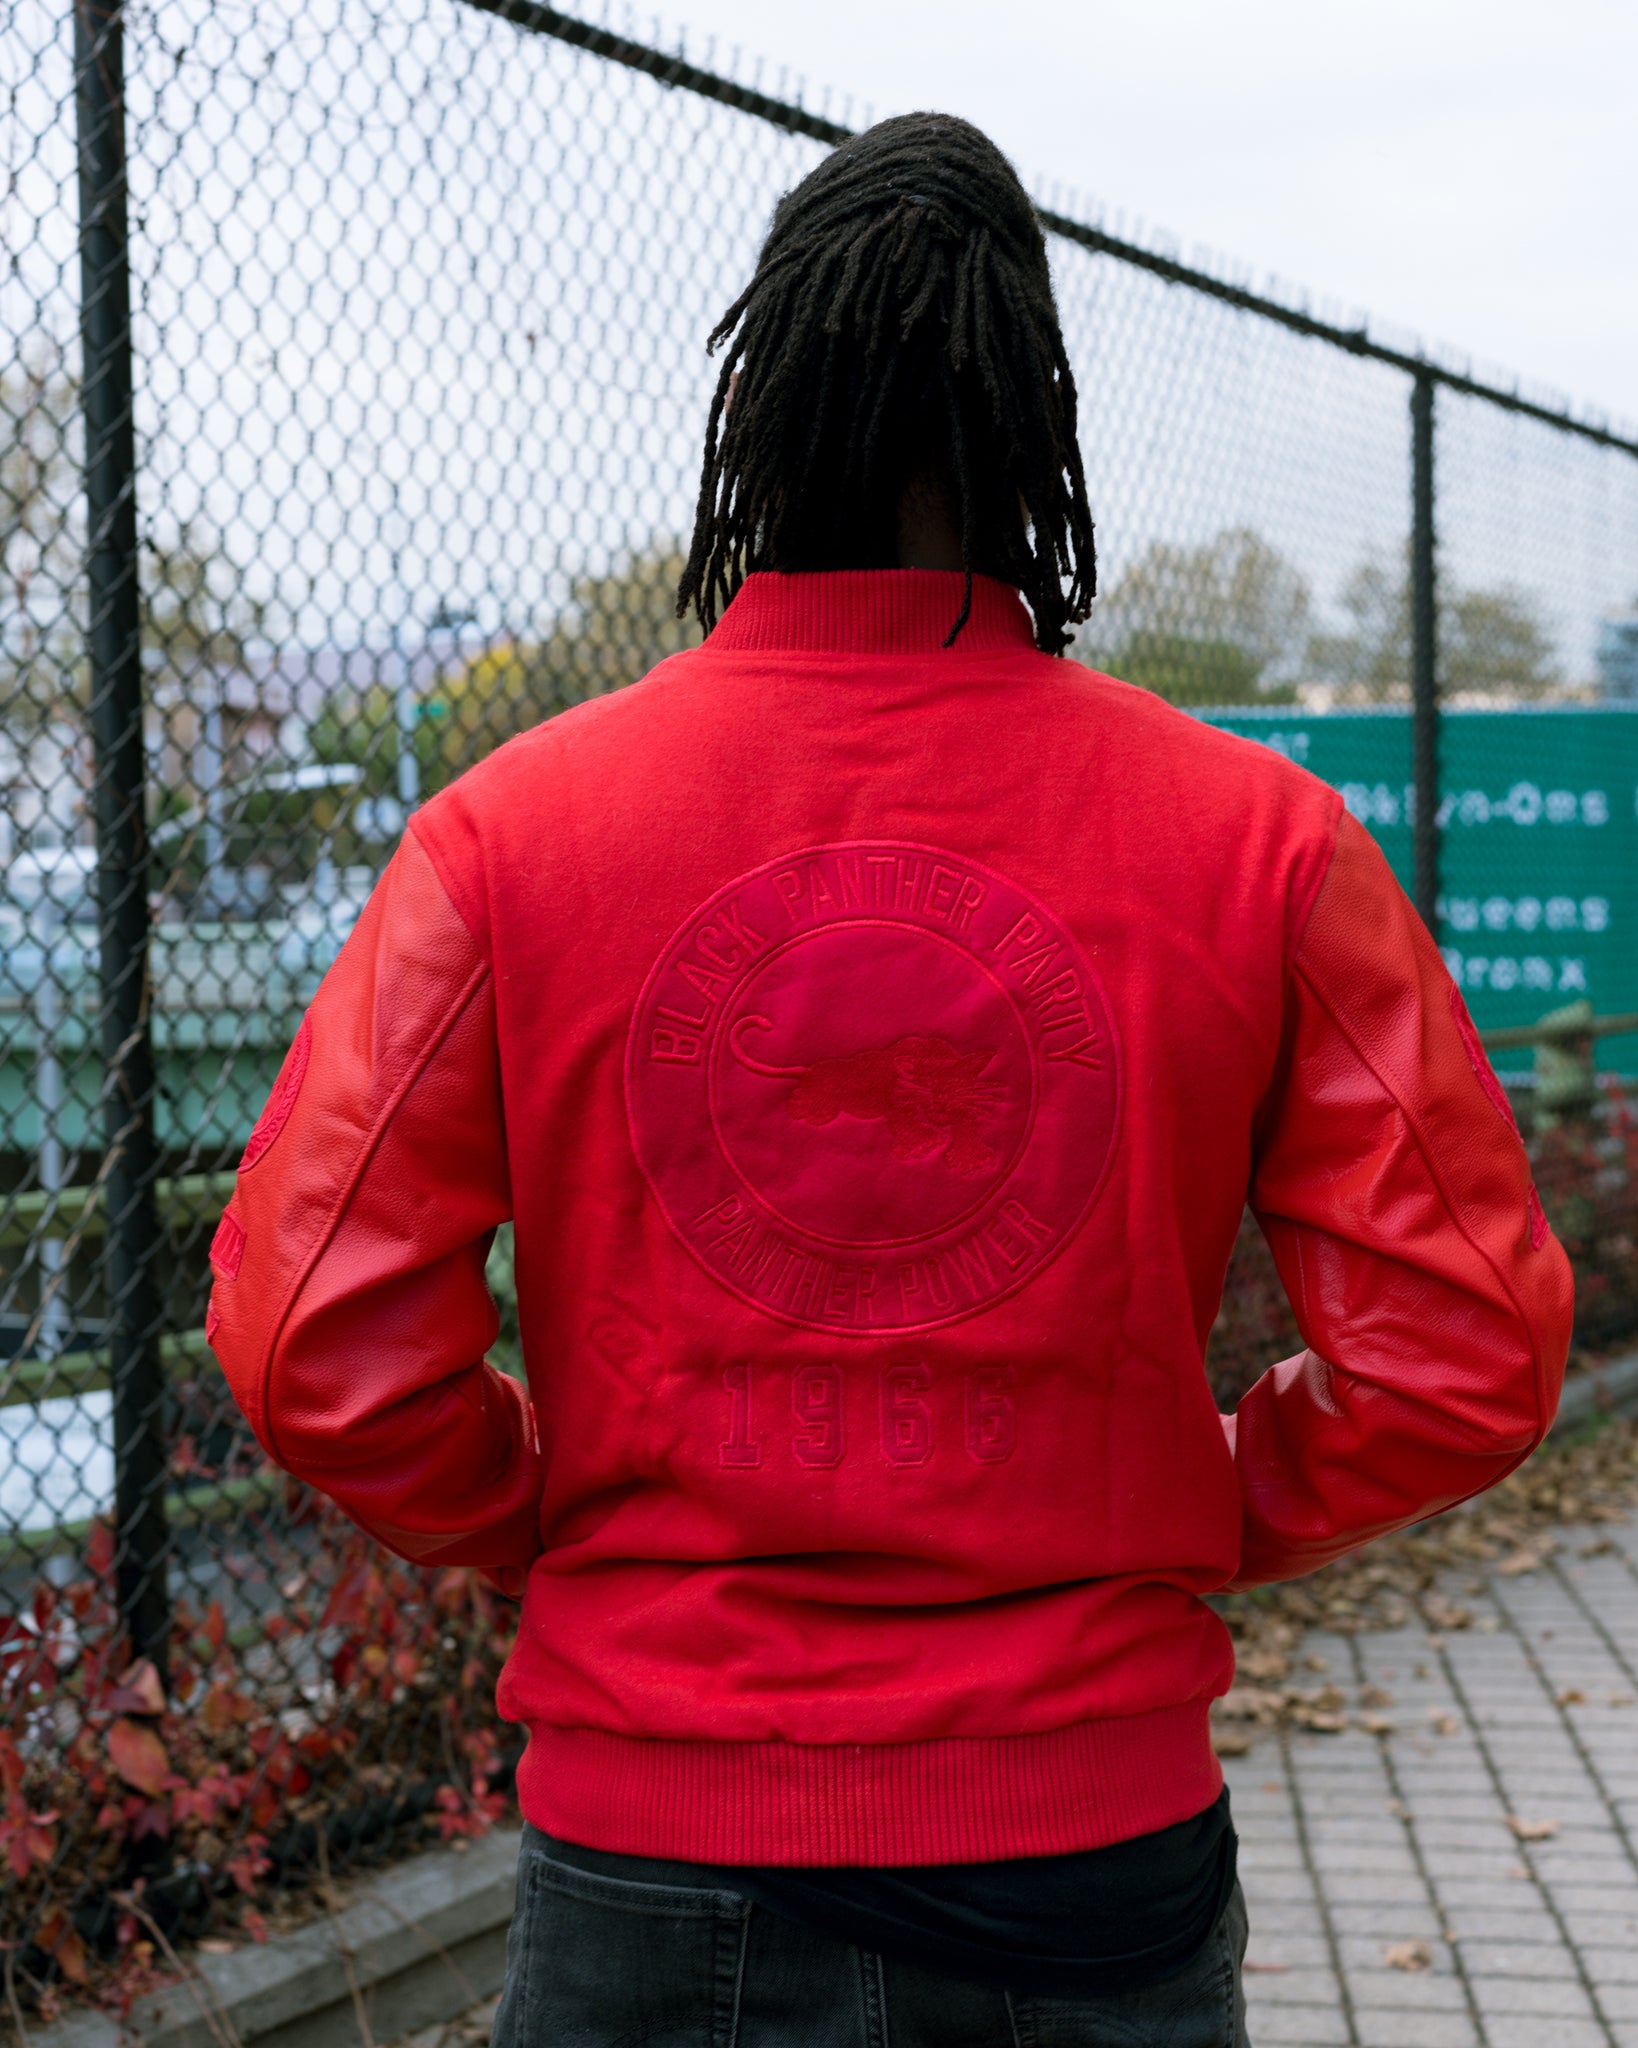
<point x="1476" y="1057"/>
<point x="227" y="1247"/>
<point x="283" y="1099"/>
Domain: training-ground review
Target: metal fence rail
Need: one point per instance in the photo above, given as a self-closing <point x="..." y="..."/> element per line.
<point x="351" y="391"/>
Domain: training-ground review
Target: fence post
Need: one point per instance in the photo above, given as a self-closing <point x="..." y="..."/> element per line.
<point x="1424" y="626"/>
<point x="113" y="634"/>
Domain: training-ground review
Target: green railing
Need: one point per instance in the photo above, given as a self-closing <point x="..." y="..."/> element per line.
<point x="77" y="1211"/>
<point x="68" y="1375"/>
<point x="188" y="1507"/>
<point x="1566" y="1076"/>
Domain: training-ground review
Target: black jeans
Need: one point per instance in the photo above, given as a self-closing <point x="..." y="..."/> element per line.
<point x="663" y="1959"/>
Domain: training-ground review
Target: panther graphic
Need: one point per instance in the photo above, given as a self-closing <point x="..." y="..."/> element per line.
<point x="930" y="1096"/>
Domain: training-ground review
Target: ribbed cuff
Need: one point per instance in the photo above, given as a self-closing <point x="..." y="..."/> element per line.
<point x="955" y="1800"/>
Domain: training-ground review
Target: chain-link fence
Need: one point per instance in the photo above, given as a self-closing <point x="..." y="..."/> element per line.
<point x="350" y="412"/>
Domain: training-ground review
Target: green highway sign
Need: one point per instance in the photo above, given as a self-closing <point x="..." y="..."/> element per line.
<point x="1538" y="848"/>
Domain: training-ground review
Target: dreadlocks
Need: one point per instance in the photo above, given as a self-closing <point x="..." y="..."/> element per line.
<point x="899" y="333"/>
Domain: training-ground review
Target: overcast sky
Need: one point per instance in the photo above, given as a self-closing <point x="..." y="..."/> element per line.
<point x="1466" y="169"/>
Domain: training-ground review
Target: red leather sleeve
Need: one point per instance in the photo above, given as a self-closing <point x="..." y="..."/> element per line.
<point x="1396" y="1197"/>
<point x="350" y="1312"/>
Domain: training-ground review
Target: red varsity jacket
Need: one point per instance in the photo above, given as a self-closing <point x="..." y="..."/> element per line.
<point x="876" y="1045"/>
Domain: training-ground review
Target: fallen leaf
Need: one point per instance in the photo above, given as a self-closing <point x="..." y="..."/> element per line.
<point x="1415" y="1579"/>
<point x="1532" y="1830"/>
<point x="1248" y="1703"/>
<point x="1229" y="1742"/>
<point x="55" y="1935"/>
<point x="1620" y="1699"/>
<point x="1443" y="1723"/>
<point x="1440" y="1613"/>
<point x="1529" y="1559"/>
<point x="1408" y="1955"/>
<point x="1375" y="1696"/>
<point x="1273" y="1785"/>
<point x="214" y="1945"/>
<point x="138" y="1691"/>
<point x="1602" y="1548"/>
<point x="139" y="1756"/>
<point x="1571" y="1696"/>
<point x="1266" y="1969"/>
<point x="1320" y="1723"/>
<point x="1376" y="1724"/>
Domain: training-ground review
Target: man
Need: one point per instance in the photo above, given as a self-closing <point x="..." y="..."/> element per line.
<point x="876" y="1027"/>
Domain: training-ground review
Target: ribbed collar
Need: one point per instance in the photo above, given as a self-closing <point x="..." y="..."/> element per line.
<point x="871" y="611"/>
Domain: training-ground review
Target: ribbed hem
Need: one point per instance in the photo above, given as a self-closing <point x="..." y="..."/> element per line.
<point x="871" y="611"/>
<point x="956" y="1800"/>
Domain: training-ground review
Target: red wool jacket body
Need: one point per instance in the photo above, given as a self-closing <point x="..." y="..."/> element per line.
<point x="876" y="1046"/>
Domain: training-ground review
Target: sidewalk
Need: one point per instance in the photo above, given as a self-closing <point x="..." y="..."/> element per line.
<point x="1467" y="1875"/>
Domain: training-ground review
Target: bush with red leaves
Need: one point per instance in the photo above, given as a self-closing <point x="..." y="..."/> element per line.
<point x="1587" y="1176"/>
<point x="133" y="1809"/>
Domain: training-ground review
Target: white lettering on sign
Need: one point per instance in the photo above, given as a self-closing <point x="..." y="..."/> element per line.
<point x="1525" y="913"/>
<point x="1378" y="803"/>
<point x="1293" y="745"/>
<point x="1504" y="972"/>
<point x="1526" y="804"/>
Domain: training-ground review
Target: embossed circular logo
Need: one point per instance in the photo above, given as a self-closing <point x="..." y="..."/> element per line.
<point x="874" y="1087"/>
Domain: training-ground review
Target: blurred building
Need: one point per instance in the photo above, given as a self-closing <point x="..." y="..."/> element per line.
<point x="1618" y="658"/>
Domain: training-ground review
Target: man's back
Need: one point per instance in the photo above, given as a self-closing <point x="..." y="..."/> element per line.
<point x="876" y="1044"/>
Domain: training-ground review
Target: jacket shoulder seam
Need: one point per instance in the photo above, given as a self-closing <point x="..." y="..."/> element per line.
<point x="1299" y="932"/>
<point x="1305" y="915"/>
<point x="436" y="861"/>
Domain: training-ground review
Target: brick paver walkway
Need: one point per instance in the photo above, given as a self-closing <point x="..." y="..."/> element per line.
<point x="1496" y="1823"/>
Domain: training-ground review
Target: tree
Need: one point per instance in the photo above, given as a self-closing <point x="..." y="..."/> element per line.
<point x="192" y="611"/>
<point x="1185" y="671"/>
<point x="193" y="605"/>
<point x="1490" y="640"/>
<point x="41" y="539"/>
<point x="612" y="632"/>
<point x="1493" y="640"/>
<point x="1217" y="623"/>
<point x="195" y="610"/>
<point x="1372" y="661"/>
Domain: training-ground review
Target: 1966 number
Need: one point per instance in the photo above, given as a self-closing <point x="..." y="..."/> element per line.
<point x="903" y="1401"/>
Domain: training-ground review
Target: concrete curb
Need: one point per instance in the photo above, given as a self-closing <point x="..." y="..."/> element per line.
<point x="1610" y="1389"/>
<point x="292" y="1992"/>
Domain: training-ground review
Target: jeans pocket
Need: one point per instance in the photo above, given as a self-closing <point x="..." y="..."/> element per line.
<point x="1200" y="2006"/>
<point x="604" y="1962"/>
